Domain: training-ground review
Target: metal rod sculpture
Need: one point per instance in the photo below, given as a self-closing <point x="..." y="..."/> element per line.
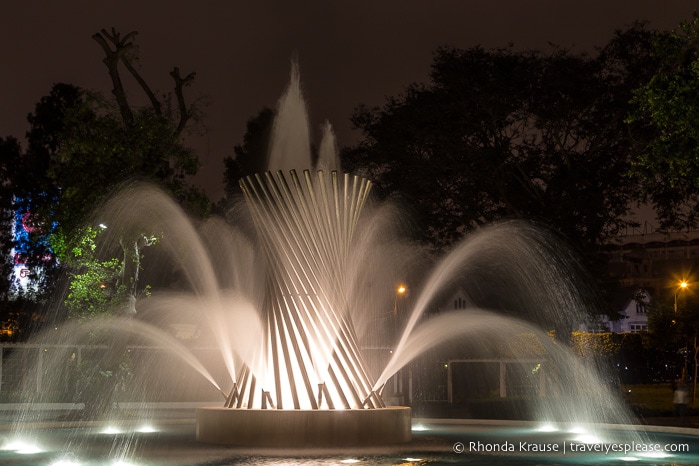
<point x="311" y="351"/>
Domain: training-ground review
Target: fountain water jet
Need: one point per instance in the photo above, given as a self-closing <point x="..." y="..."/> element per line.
<point x="312" y="362"/>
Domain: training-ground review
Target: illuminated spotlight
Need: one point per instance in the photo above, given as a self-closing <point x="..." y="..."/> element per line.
<point x="66" y="462"/>
<point x="350" y="461"/>
<point x="111" y="430"/>
<point x="655" y="454"/>
<point x="588" y="438"/>
<point x="22" y="447"/>
<point x="547" y="427"/>
<point x="628" y="458"/>
<point x="412" y="460"/>
<point x="419" y="428"/>
<point x="146" y="429"/>
<point x="577" y="430"/>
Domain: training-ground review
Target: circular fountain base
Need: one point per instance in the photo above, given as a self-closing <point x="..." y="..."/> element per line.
<point x="303" y="428"/>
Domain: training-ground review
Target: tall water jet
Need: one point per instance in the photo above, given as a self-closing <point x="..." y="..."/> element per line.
<point x="310" y="361"/>
<point x="290" y="146"/>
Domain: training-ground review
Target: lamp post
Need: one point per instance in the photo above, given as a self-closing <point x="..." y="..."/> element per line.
<point x="682" y="286"/>
<point x="400" y="291"/>
<point x="397" y="377"/>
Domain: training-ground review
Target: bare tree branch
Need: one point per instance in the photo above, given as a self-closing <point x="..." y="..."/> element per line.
<point x="144" y="85"/>
<point x="115" y="49"/>
<point x="180" y="83"/>
<point x="111" y="59"/>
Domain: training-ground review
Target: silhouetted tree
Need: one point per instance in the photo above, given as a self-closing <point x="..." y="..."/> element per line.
<point x="668" y="105"/>
<point x="10" y="160"/>
<point x="251" y="156"/>
<point x="502" y="133"/>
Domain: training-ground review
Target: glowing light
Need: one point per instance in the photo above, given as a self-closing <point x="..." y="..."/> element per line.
<point x="628" y="458"/>
<point x="66" y="462"/>
<point x="655" y="454"/>
<point x="350" y="461"/>
<point x="419" y="428"/>
<point x="121" y="463"/>
<point x="22" y="447"/>
<point x="547" y="427"/>
<point x="412" y="460"/>
<point x="577" y="430"/>
<point x="146" y="429"/>
<point x="588" y="438"/>
<point x="111" y="430"/>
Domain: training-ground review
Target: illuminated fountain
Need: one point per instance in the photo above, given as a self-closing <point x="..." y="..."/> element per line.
<point x="287" y="306"/>
<point x="308" y="384"/>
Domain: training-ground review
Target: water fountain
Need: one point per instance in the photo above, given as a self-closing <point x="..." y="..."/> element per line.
<point x="287" y="307"/>
<point x="308" y="384"/>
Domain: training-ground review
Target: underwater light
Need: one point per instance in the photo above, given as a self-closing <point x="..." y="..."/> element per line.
<point x="350" y="461"/>
<point x="546" y="427"/>
<point x="588" y="438"/>
<point x="111" y="430"/>
<point x="655" y="454"/>
<point x="146" y="429"/>
<point x="22" y="447"/>
<point x="66" y="462"/>
<point x="419" y="428"/>
<point x="628" y="458"/>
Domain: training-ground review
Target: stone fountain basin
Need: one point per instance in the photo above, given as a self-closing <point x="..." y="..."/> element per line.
<point x="303" y="428"/>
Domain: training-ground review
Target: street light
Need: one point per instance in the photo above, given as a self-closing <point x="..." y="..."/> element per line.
<point x="682" y="286"/>
<point x="400" y="291"/>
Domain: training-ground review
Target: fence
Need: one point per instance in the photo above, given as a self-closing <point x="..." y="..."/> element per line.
<point x="35" y="367"/>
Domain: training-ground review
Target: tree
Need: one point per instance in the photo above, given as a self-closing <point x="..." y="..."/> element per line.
<point x="10" y="159"/>
<point x="82" y="146"/>
<point x="668" y="105"/>
<point x="98" y="285"/>
<point x="103" y="143"/>
<point x="678" y="329"/>
<point x="501" y="134"/>
<point x="251" y="156"/>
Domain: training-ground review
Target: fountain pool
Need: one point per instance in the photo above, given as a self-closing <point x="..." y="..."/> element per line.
<point x="438" y="442"/>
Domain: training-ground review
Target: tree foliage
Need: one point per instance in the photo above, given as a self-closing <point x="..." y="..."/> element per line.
<point x="674" y="328"/>
<point x="10" y="160"/>
<point x="668" y="106"/>
<point x="82" y="146"/>
<point x="97" y="285"/>
<point x="251" y="156"/>
<point x="501" y="133"/>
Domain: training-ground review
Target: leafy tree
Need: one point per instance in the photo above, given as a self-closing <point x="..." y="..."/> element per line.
<point x="98" y="285"/>
<point x="678" y="329"/>
<point x="10" y="159"/>
<point x="668" y="105"/>
<point x="251" y="156"/>
<point x="81" y="146"/>
<point x="501" y="134"/>
<point x="100" y="144"/>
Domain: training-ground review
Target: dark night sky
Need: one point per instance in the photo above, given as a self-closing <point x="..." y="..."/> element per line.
<point x="350" y="52"/>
